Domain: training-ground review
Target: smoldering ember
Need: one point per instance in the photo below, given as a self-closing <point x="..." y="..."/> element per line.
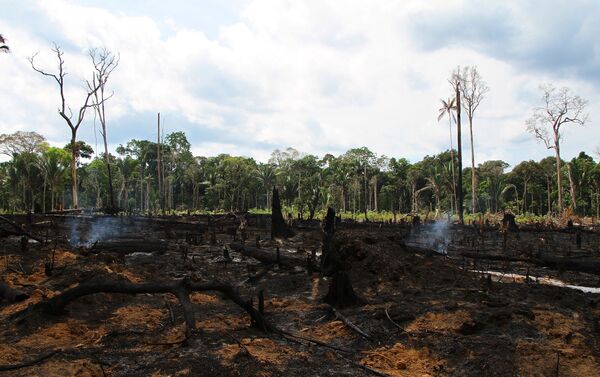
<point x="154" y="221"/>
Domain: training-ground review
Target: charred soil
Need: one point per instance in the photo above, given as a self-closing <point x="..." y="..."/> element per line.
<point x="422" y="313"/>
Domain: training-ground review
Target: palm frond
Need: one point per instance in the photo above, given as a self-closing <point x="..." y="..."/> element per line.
<point x="508" y="187"/>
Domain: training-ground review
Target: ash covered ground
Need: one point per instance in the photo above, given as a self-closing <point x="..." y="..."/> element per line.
<point x="425" y="311"/>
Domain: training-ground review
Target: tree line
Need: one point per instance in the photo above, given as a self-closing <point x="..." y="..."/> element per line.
<point x="38" y="178"/>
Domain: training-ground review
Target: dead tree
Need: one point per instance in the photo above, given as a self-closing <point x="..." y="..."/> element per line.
<point x="278" y="225"/>
<point x="65" y="111"/>
<point x="455" y="81"/>
<point x="104" y="63"/>
<point x="473" y="90"/>
<point x="340" y="294"/>
<point x="560" y="107"/>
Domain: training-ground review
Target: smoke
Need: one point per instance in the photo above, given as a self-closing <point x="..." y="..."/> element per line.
<point x="441" y="238"/>
<point x="434" y="236"/>
<point x="84" y="233"/>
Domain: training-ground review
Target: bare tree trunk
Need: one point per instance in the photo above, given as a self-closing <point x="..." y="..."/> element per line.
<point x="549" y="196"/>
<point x="375" y="195"/>
<point x="160" y="196"/>
<point x="459" y="190"/>
<point x="366" y="192"/>
<point x="75" y="203"/>
<point x="44" y="195"/>
<point x="524" y="206"/>
<point x="52" y="195"/>
<point x="558" y="175"/>
<point x="572" y="188"/>
<point x="452" y="163"/>
<point x="473" y="183"/>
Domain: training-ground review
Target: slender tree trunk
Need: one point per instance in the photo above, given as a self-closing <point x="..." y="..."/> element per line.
<point x="459" y="190"/>
<point x="160" y="196"/>
<point x="44" y="196"/>
<point x="52" y="187"/>
<point x="524" y="206"/>
<point x="572" y="188"/>
<point x="366" y="192"/>
<point x="452" y="162"/>
<point x="549" y="196"/>
<point x="75" y="200"/>
<point x="375" y="194"/>
<point x="558" y="175"/>
<point x="107" y="158"/>
<point x="473" y="183"/>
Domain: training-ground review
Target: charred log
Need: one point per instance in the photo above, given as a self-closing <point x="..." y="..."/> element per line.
<point x="266" y="256"/>
<point x="125" y="246"/>
<point x="20" y="230"/>
<point x="180" y="288"/>
<point x="10" y="294"/>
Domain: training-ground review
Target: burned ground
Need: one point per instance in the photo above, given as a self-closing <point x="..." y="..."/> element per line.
<point x="424" y="313"/>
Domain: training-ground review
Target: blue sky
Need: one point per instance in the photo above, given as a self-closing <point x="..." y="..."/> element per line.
<point x="249" y="76"/>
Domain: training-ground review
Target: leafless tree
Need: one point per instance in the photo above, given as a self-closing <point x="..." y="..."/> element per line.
<point x="559" y="107"/>
<point x="105" y="63"/>
<point x="65" y="111"/>
<point x="473" y="90"/>
<point x="455" y="81"/>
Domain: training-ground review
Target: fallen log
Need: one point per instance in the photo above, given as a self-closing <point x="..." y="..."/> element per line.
<point x="181" y="288"/>
<point x="128" y="246"/>
<point x="267" y="257"/>
<point x="555" y="263"/>
<point x="21" y="230"/>
<point x="10" y="294"/>
<point x="65" y="211"/>
<point x="419" y="250"/>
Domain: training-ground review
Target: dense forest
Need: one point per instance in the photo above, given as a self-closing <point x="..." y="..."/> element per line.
<point x="356" y="183"/>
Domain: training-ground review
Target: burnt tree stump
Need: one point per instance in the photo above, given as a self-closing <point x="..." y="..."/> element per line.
<point x="340" y="294"/>
<point x="278" y="225"/>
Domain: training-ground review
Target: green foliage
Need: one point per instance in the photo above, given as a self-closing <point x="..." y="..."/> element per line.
<point x="358" y="183"/>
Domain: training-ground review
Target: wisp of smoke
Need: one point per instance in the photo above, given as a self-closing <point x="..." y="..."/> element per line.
<point x="435" y="236"/>
<point x="100" y="228"/>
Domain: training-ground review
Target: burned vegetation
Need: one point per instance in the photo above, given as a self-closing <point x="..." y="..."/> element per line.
<point x="245" y="295"/>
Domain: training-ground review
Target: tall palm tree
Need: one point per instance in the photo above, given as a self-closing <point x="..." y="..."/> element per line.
<point x="266" y="173"/>
<point x="449" y="107"/>
<point x="3" y="46"/>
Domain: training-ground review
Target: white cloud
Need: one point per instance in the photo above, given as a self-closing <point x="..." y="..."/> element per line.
<point x="314" y="75"/>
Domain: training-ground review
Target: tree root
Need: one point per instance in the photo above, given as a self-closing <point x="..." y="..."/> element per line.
<point x="351" y="325"/>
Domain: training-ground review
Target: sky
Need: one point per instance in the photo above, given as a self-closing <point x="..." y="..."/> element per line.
<point x="246" y="77"/>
